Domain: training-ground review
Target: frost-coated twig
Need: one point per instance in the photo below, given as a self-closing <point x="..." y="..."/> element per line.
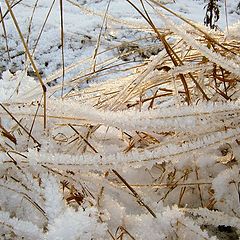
<point x="135" y="194"/>
<point x="212" y="217"/>
<point x="166" y="153"/>
<point x="221" y="60"/>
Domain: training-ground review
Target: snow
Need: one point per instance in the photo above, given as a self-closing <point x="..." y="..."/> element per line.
<point x="126" y="153"/>
<point x="82" y="24"/>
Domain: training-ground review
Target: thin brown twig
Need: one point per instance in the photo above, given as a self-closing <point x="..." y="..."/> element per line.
<point x="30" y="22"/>
<point x="99" y="38"/>
<point x="34" y="119"/>
<point x="7" y="134"/>
<point x="75" y="130"/>
<point x="182" y="191"/>
<point x="12" y="6"/>
<point x="198" y="186"/>
<point x="135" y="194"/>
<point x="18" y="122"/>
<point x="123" y="231"/>
<point x="35" y="204"/>
<point x="42" y="28"/>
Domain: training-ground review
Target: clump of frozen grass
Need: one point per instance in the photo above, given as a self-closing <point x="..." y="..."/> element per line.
<point x="152" y="155"/>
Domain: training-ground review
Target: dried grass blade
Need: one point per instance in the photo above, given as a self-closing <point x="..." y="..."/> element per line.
<point x="5" y="33"/>
<point x="62" y="45"/>
<point x="41" y="31"/>
<point x="99" y="38"/>
<point x="7" y="134"/>
<point x="44" y="89"/>
<point x="75" y="130"/>
<point x="135" y="194"/>
<point x="24" y="129"/>
<point x="168" y="48"/>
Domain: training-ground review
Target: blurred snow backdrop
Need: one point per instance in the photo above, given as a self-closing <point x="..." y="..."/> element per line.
<point x="82" y="23"/>
<point x="142" y="134"/>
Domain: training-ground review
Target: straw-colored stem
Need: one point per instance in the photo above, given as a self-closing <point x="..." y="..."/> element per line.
<point x="44" y="89"/>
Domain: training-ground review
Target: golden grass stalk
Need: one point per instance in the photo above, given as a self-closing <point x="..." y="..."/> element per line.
<point x="62" y="44"/>
<point x="44" y="89"/>
<point x="5" y="33"/>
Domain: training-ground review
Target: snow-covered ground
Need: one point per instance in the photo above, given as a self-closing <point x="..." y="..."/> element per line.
<point x="82" y="24"/>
